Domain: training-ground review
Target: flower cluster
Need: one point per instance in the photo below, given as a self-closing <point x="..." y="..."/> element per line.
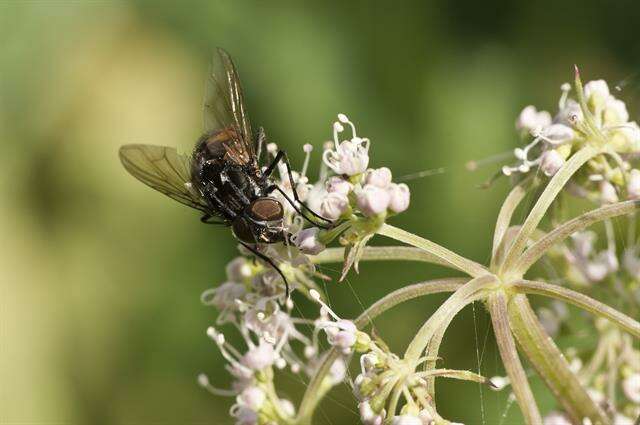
<point x="599" y="119"/>
<point x="252" y="300"/>
<point x="355" y="188"/>
<point x="388" y="388"/>
<point x="273" y="338"/>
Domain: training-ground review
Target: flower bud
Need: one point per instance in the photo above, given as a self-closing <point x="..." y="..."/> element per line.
<point x="399" y="197"/>
<point x="551" y="162"/>
<point x="530" y="119"/>
<point x="608" y="193"/>
<point x="596" y="92"/>
<point x="245" y="416"/>
<point x="373" y="200"/>
<point x="380" y="177"/>
<point x="559" y="133"/>
<point x="351" y="157"/>
<point x="260" y="357"/>
<point x="368" y="416"/>
<point x="307" y="241"/>
<point x="615" y="112"/>
<point x="339" y="185"/>
<point x="334" y="205"/>
<point x="238" y="269"/>
<point x="344" y="335"/>
<point x="252" y="397"/>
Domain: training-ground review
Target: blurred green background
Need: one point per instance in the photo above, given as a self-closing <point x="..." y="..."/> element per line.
<point x="100" y="317"/>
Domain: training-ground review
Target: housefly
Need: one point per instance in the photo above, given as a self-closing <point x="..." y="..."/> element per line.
<point x="223" y="177"/>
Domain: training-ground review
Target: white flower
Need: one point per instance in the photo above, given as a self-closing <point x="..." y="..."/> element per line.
<point x="341" y="333"/>
<point x="252" y="397"/>
<point x="558" y="133"/>
<point x="368" y="416"/>
<point x="338" y="371"/>
<point x="550" y="162"/>
<point x="333" y="205"/>
<point x="224" y="298"/>
<point x="260" y="357"/>
<point x="631" y="387"/>
<point x="608" y="193"/>
<point x="633" y="184"/>
<point x="615" y="112"/>
<point x="350" y="157"/>
<point x="631" y="132"/>
<point x="406" y="420"/>
<point x="339" y="185"/>
<point x="380" y="177"/>
<point x="530" y="119"/>
<point x="238" y="269"/>
<point x="307" y="241"/>
<point x="597" y="91"/>
<point x="570" y="114"/>
<point x="399" y="197"/>
<point x="556" y="418"/>
<point x="373" y="200"/>
<point x="244" y="415"/>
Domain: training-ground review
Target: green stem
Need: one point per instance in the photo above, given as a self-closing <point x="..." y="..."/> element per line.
<point x="450" y="258"/>
<point x="550" y="364"/>
<point x="538" y="249"/>
<point x="313" y="395"/>
<point x="509" y="206"/>
<point x="380" y="253"/>
<point x="580" y="300"/>
<point x="497" y="304"/>
<point x="544" y="201"/>
<point x="468" y="293"/>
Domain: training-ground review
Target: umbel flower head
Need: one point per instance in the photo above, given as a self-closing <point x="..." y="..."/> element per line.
<point x="358" y="200"/>
<point x="596" y="117"/>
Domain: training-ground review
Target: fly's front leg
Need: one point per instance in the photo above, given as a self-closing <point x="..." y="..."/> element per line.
<point x="273" y="264"/>
<point x="282" y="156"/>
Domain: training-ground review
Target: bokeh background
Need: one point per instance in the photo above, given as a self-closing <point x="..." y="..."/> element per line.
<point x="100" y="276"/>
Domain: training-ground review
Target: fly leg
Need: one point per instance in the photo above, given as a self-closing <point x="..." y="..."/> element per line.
<point x="282" y="156"/>
<point x="272" y="264"/>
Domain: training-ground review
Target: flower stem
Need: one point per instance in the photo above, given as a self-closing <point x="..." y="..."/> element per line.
<point x="468" y="293"/>
<point x="448" y="257"/>
<point x="497" y="304"/>
<point x="538" y="249"/>
<point x="544" y="201"/>
<point x="550" y="364"/>
<point x="504" y="217"/>
<point x="380" y="253"/>
<point x="625" y="322"/>
<point x="313" y="395"/>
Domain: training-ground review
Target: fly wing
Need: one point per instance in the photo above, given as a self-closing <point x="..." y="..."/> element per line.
<point x="165" y="170"/>
<point x="224" y="109"/>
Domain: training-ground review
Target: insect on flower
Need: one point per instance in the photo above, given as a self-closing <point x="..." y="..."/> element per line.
<point x="223" y="177"/>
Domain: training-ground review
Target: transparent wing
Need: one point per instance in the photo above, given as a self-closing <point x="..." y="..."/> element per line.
<point x="163" y="169"/>
<point x="223" y="108"/>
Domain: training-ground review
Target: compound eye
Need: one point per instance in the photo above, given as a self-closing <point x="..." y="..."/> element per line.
<point x="266" y="209"/>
